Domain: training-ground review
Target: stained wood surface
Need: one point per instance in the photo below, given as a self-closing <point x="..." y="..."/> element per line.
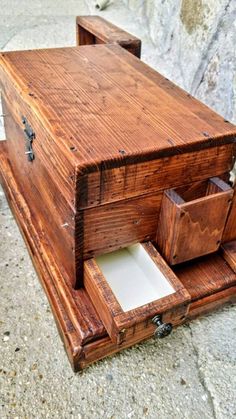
<point x="96" y="30"/>
<point x="205" y="276"/>
<point x="187" y="230"/>
<point x="98" y="350"/>
<point x="119" y="324"/>
<point x="54" y="219"/>
<point x="80" y="328"/>
<point x="132" y="180"/>
<point x="230" y="227"/>
<point x="33" y="84"/>
<point x="77" y="304"/>
<point x="229" y="253"/>
<point x="98" y="100"/>
<point x="116" y="225"/>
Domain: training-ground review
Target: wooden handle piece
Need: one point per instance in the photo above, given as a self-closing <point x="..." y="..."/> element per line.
<point x="96" y="30"/>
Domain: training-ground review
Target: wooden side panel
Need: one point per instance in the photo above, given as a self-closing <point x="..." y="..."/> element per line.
<point x="138" y="179"/>
<point x="187" y="230"/>
<point x="54" y="218"/>
<point x="55" y="157"/>
<point x="230" y="227"/>
<point x="80" y="320"/>
<point x="113" y="226"/>
<point x="102" y="297"/>
<point x="229" y="253"/>
<point x="96" y="30"/>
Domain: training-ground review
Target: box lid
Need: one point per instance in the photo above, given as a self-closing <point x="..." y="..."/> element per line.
<point x="105" y="105"/>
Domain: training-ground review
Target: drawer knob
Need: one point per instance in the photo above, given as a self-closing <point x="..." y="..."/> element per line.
<point x="163" y="329"/>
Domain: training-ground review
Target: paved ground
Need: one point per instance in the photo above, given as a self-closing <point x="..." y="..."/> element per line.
<point x="191" y="374"/>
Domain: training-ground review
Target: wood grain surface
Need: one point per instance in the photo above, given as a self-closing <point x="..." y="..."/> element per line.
<point x="96" y="30"/>
<point x="111" y="135"/>
<point x="189" y="229"/>
<point x="229" y="253"/>
<point x="99" y="101"/>
<point x="80" y="327"/>
<point x="117" y="322"/>
<point x="230" y="227"/>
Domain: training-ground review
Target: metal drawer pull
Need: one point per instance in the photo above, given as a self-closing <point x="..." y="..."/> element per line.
<point x="163" y="329"/>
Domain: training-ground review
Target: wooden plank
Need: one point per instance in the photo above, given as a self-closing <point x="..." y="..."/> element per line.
<point x="113" y="226"/>
<point x="95" y="30"/>
<point x="129" y="181"/>
<point x="211" y="302"/>
<point x="205" y="276"/>
<point x="187" y="230"/>
<point x="229" y="253"/>
<point x="97" y="350"/>
<point x="230" y="227"/>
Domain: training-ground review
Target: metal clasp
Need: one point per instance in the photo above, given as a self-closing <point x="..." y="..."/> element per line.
<point x="29" y="137"/>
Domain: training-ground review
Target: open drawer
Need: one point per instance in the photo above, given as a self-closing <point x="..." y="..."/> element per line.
<point x="192" y="220"/>
<point x="135" y="292"/>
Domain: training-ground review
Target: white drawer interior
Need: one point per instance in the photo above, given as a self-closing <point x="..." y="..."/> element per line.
<point x="133" y="277"/>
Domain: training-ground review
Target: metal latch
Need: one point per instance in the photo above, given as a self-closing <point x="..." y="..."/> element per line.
<point x="29" y="137"/>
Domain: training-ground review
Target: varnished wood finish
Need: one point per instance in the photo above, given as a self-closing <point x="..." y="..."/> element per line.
<point x="80" y="328"/>
<point x="74" y="96"/>
<point x="205" y="276"/>
<point x="230" y="227"/>
<point x="187" y="230"/>
<point x="96" y="30"/>
<point x="229" y="253"/>
<point x="111" y="135"/>
<point x="53" y="217"/>
<point x="95" y="90"/>
<point x="117" y="322"/>
<point x="76" y="303"/>
<point x="116" y="225"/>
<point x="97" y="350"/>
<point x="131" y="180"/>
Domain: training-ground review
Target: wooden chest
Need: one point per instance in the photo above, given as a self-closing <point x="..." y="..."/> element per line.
<point x="107" y="163"/>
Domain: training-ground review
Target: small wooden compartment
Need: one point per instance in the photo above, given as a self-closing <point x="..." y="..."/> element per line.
<point x="192" y="220"/>
<point x="130" y="286"/>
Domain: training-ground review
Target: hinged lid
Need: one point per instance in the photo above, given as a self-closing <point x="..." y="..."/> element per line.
<point x="105" y="106"/>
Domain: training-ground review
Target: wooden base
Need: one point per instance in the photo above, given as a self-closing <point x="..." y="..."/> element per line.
<point x="210" y="281"/>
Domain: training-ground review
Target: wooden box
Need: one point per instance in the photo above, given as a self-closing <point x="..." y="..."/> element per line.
<point x="192" y="220"/>
<point x="96" y="143"/>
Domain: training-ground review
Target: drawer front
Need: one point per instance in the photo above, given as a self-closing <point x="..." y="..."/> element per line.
<point x="131" y="287"/>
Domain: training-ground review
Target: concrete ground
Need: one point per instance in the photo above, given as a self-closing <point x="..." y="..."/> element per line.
<point x="191" y="374"/>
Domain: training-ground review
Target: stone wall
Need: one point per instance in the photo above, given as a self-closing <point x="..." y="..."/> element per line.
<point x="195" y="46"/>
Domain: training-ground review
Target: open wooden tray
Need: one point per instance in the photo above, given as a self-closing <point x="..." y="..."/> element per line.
<point x="130" y="286"/>
<point x="192" y="219"/>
